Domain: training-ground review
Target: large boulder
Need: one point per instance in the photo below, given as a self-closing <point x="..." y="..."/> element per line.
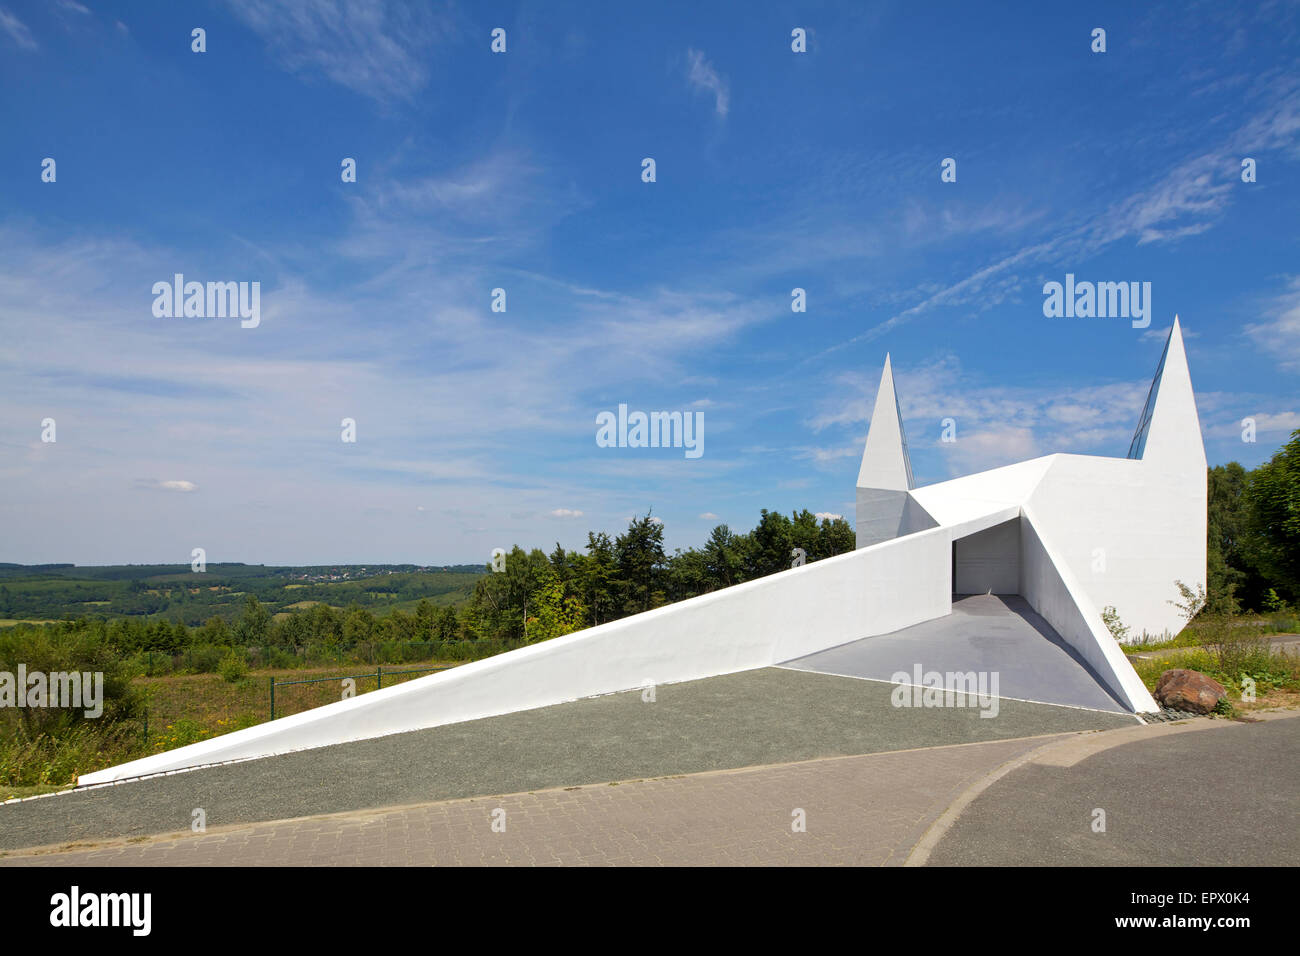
<point x="1180" y="689"/>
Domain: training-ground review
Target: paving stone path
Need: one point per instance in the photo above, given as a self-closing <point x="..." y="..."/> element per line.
<point x="865" y="810"/>
<point x="750" y="719"/>
<point x="1017" y="801"/>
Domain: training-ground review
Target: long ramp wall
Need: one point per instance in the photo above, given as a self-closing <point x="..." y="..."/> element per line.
<point x="869" y="591"/>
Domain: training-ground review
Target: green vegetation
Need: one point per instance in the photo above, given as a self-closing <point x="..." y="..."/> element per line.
<point x="174" y="592"/>
<point x="174" y="676"/>
<point x="1254" y="534"/>
<point x="188" y="655"/>
<point x="538" y="597"/>
<point x="1118" y="629"/>
<point x="47" y="746"/>
<point x="1237" y="655"/>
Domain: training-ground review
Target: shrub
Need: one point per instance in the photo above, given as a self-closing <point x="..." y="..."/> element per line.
<point x="1117" y="628"/>
<point x="1192" y="603"/>
<point x="33" y="760"/>
<point x="1237" y="647"/>
<point x="49" y="652"/>
<point x="233" y="667"/>
<point x="204" y="659"/>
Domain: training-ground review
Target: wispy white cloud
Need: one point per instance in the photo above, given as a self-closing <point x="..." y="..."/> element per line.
<point x="990" y="448"/>
<point x="1160" y="334"/>
<point x="1279" y="334"/>
<point x="375" y="47"/>
<point x="1267" y="425"/>
<point x="702" y="75"/>
<point x="994" y="424"/>
<point x="173" y="484"/>
<point x="1186" y="201"/>
<point x="17" y="30"/>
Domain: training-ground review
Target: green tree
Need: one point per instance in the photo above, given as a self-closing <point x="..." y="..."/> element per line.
<point x="551" y="612"/>
<point x="446" y="626"/>
<point x="358" y="626"/>
<point x="639" y="559"/>
<point x="425" y="619"/>
<point x="499" y="604"/>
<point x="805" y="533"/>
<point x="324" y="625"/>
<point x="723" y="561"/>
<point x="1273" y="498"/>
<point x="835" y="536"/>
<point x="1225" y="525"/>
<point x="772" y="543"/>
<point x="293" y="632"/>
<point x="215" y="630"/>
<point x="596" y="579"/>
<point x="688" y="575"/>
<point x="254" y="627"/>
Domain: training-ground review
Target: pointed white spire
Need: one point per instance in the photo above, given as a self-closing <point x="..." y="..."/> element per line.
<point x="885" y="463"/>
<point x="1169" y="432"/>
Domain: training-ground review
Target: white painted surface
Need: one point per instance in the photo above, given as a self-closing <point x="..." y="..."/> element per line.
<point x="1129" y="528"/>
<point x="1048" y="584"/>
<point x="963" y="499"/>
<point x="1126" y="531"/>
<point x="885" y="475"/>
<point x="786" y="615"/>
<point x="881" y="515"/>
<point x="884" y="458"/>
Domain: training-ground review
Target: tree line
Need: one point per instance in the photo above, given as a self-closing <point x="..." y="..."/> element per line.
<point x="1253" y="564"/>
<point x="534" y="597"/>
<point x="1253" y="555"/>
<point x="538" y="596"/>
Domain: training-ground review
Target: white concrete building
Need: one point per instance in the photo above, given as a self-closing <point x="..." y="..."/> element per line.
<point x="1122" y="529"/>
<point x="1045" y="544"/>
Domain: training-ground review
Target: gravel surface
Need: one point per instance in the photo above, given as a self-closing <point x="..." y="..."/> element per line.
<point x="753" y="718"/>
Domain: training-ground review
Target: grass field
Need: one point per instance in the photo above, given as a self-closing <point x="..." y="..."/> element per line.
<point x="186" y="708"/>
<point x="207" y="706"/>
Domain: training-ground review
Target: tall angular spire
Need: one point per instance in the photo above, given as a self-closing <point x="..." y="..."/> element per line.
<point x="1169" y="431"/>
<point x="885" y="463"/>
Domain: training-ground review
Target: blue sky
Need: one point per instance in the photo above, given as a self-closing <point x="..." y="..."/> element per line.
<point x="522" y="171"/>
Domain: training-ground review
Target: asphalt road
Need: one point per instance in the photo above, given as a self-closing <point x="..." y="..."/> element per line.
<point x="1226" y="796"/>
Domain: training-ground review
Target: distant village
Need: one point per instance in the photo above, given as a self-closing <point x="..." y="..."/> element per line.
<point x="355" y="573"/>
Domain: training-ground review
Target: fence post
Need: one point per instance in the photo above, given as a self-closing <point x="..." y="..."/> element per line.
<point x="272" y="679"/>
<point x="379" y="676"/>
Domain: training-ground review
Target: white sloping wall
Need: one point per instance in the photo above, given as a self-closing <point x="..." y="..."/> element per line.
<point x="830" y="602"/>
<point x="1051" y="589"/>
<point x="1127" y="530"/>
